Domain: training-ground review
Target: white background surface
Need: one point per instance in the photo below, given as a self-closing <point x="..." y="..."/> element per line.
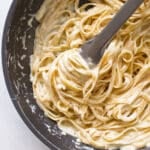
<point x="14" y="134"/>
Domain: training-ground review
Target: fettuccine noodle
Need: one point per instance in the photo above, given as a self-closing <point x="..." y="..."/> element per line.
<point x="108" y="105"/>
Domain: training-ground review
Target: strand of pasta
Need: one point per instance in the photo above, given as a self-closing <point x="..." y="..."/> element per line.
<point x="110" y="104"/>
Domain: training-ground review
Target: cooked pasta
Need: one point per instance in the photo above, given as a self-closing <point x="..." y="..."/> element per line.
<point x="108" y="105"/>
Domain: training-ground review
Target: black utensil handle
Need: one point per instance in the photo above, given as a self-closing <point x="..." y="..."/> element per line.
<point x="120" y="18"/>
<point x="102" y="40"/>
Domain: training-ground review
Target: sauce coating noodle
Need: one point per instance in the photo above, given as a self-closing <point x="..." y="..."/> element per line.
<point x="108" y="105"/>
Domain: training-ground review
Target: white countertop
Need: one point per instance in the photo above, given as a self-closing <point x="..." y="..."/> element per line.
<point x="14" y="134"/>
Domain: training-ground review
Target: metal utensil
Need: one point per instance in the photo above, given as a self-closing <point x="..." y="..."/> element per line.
<point x="94" y="49"/>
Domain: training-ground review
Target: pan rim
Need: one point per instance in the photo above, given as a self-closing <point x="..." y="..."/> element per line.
<point x="8" y="83"/>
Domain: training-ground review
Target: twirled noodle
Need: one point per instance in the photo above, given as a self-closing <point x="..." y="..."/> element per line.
<point x="110" y="104"/>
